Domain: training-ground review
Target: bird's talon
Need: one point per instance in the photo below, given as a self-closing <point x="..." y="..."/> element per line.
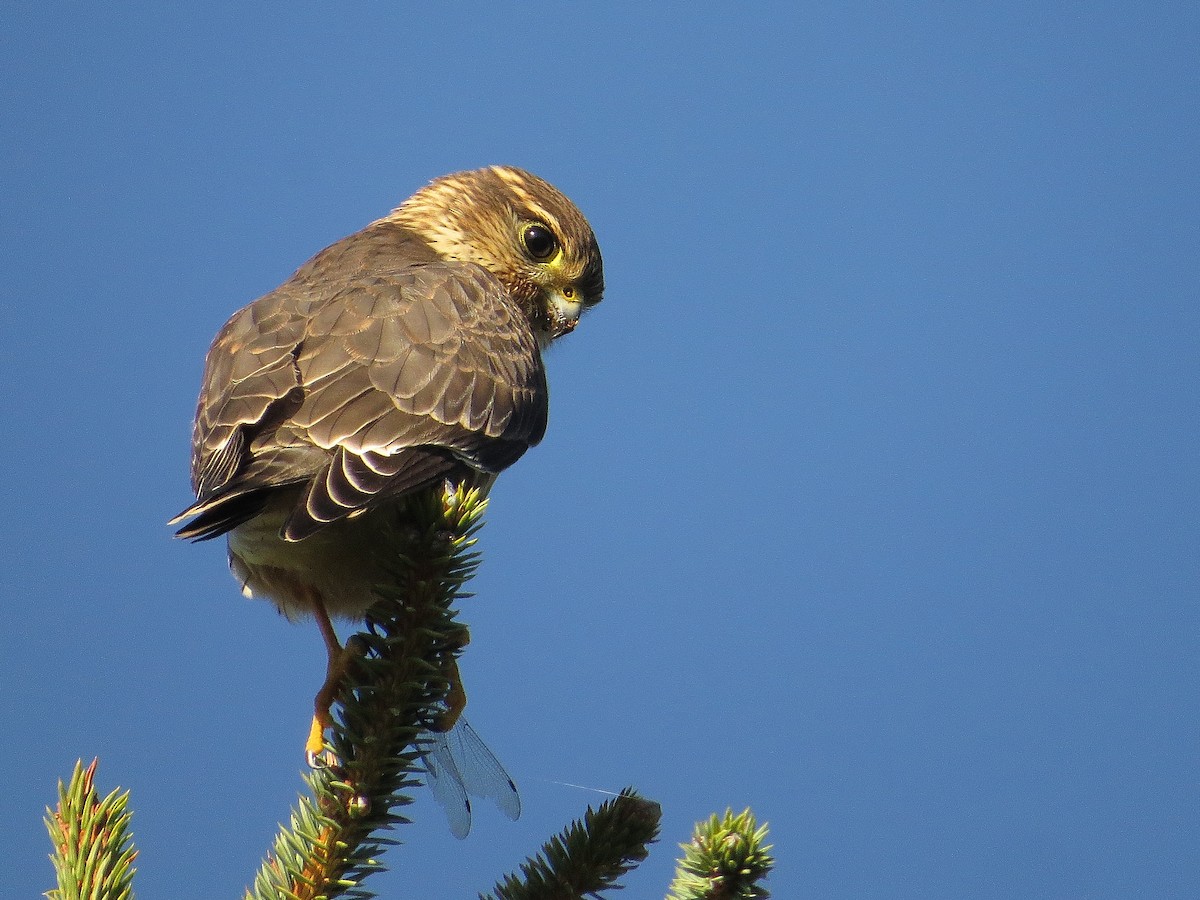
<point x="321" y="758"/>
<point x="314" y="747"/>
<point x="314" y="760"/>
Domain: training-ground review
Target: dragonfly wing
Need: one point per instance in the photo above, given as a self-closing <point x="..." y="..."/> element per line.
<point x="460" y="764"/>
<point x="482" y="773"/>
<point x="446" y="782"/>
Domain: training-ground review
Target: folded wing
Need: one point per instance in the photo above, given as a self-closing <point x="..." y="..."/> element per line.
<point x="360" y="391"/>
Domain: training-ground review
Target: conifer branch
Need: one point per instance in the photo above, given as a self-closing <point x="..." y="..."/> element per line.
<point x="392" y="693"/>
<point x="93" y="849"/>
<point x="726" y="859"/>
<point x="589" y="855"/>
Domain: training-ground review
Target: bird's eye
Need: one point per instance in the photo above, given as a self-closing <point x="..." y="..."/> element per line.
<point x="539" y="241"/>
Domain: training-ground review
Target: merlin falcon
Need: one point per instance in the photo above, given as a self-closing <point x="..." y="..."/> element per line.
<point x="399" y="359"/>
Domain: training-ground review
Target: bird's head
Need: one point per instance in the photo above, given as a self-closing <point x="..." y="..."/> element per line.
<point x="522" y="230"/>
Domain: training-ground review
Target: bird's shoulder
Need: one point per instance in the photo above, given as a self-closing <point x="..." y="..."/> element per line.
<point x="373" y="345"/>
<point x="375" y="295"/>
<point x="383" y="276"/>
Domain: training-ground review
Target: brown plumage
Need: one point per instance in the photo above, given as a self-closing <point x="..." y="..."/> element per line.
<point x="399" y="358"/>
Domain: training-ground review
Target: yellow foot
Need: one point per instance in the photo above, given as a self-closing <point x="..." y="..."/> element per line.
<point x="316" y="753"/>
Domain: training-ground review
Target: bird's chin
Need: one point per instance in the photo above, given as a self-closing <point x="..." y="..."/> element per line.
<point x="563" y="314"/>
<point x="551" y="329"/>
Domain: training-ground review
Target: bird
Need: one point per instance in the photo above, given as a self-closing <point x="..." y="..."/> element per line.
<point x="406" y="357"/>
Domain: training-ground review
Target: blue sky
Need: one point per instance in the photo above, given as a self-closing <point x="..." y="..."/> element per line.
<point x="869" y="498"/>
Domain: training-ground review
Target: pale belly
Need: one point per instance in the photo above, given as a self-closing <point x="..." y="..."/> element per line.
<point x="342" y="566"/>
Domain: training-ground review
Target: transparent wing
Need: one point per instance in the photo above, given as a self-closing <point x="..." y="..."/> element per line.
<point x="446" y="782"/>
<point x="460" y="764"/>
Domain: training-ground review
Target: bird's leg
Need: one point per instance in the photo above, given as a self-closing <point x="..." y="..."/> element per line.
<point x="339" y="658"/>
<point x="456" y="697"/>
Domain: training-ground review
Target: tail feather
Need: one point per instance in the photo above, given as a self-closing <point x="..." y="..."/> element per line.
<point x="213" y="518"/>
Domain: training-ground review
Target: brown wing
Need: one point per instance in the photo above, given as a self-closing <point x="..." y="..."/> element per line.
<point x="377" y="386"/>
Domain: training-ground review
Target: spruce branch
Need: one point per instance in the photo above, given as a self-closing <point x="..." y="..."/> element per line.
<point x="393" y="692"/>
<point x="395" y="689"/>
<point x="727" y="858"/>
<point x="93" y="849"/>
<point x="589" y="855"/>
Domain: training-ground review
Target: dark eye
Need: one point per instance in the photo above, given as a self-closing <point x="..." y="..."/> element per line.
<point x="539" y="241"/>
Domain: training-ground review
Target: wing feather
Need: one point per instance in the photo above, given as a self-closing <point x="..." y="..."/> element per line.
<point x="362" y="388"/>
